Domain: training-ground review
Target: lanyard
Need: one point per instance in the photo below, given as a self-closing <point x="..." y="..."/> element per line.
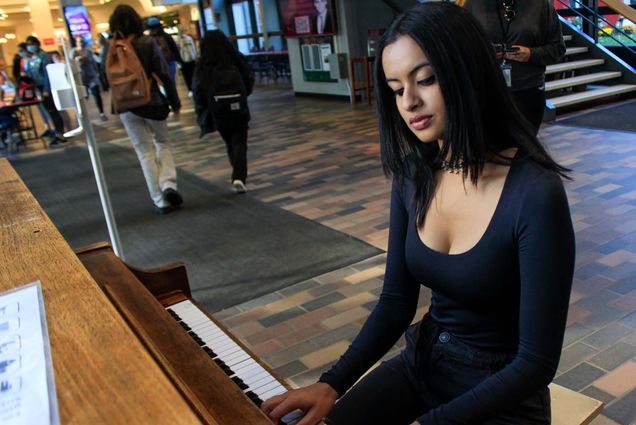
<point x="504" y="31"/>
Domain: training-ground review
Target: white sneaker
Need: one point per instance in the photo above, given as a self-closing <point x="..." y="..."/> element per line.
<point x="239" y="186"/>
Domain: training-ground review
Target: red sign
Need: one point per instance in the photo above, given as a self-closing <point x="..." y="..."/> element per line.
<point x="49" y="41"/>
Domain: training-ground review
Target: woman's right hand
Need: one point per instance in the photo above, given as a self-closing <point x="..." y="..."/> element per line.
<point x="316" y="401"/>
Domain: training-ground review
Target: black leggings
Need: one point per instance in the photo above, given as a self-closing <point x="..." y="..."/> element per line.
<point x="531" y="103"/>
<point x="187" y="69"/>
<point x="404" y="388"/>
<point x="49" y="105"/>
<point x="97" y="95"/>
<point x="236" y="142"/>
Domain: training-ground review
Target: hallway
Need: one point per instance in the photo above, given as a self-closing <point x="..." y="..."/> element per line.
<point x="320" y="159"/>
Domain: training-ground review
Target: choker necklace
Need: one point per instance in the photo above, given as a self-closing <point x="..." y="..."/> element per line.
<point x="452" y="167"/>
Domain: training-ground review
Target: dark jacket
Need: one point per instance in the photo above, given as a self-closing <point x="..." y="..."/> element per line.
<point x="154" y="64"/>
<point x="536" y="25"/>
<point x="174" y="49"/>
<point x="17" y="66"/>
<point x="204" y="99"/>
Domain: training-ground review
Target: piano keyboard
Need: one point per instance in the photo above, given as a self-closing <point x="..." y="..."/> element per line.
<point x="254" y="380"/>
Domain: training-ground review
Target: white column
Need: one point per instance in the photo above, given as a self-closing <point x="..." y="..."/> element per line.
<point x="42" y="21"/>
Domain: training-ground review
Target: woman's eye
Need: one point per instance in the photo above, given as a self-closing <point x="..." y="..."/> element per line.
<point x="427" y="81"/>
<point x="398" y="92"/>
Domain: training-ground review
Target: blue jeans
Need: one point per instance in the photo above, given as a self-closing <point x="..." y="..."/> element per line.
<point x="424" y="376"/>
<point x="172" y="68"/>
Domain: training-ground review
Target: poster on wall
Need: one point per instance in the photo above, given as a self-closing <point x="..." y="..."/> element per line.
<point x="77" y="22"/>
<point x="308" y="17"/>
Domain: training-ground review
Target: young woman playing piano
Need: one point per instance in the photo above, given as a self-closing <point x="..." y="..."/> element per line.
<point x="479" y="215"/>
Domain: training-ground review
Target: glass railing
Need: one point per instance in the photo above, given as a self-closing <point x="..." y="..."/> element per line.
<point x="607" y="29"/>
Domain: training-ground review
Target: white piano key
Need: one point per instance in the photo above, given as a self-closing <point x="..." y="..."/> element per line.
<point x="246" y="367"/>
<point x="258" y="379"/>
<point x="276" y="391"/>
<point x="265" y="389"/>
<point x="263" y="384"/>
<point x="237" y="360"/>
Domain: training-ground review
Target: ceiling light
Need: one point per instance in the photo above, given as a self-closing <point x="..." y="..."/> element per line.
<point x="27" y="9"/>
<point x="103" y="26"/>
<point x="3" y="40"/>
<point x="9" y="36"/>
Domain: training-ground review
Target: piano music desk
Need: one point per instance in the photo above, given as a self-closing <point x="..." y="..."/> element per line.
<point x="103" y="374"/>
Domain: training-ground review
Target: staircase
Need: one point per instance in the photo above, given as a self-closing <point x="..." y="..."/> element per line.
<point x="589" y="74"/>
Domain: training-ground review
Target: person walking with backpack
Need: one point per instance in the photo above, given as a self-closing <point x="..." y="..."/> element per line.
<point x="189" y="54"/>
<point x="133" y="65"/>
<point x="222" y="82"/>
<point x="167" y="44"/>
<point x="89" y="72"/>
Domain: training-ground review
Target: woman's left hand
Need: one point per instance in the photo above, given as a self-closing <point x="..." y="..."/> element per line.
<point x="521" y="55"/>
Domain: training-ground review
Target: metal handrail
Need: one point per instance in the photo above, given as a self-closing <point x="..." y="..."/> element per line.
<point x="595" y="23"/>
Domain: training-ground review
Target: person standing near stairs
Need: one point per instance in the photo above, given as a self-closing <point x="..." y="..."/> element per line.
<point x="527" y="36"/>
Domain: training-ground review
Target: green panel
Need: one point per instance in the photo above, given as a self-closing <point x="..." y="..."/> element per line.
<point x="318" y="76"/>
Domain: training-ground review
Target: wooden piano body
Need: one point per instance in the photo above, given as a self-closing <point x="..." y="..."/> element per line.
<point x="119" y="357"/>
<point x="142" y="297"/>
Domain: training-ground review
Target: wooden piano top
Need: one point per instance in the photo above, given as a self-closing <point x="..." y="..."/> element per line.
<point x="103" y="374"/>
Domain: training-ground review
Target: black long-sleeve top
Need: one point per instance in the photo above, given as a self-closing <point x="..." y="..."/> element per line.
<point x="510" y="292"/>
<point x="536" y="25"/>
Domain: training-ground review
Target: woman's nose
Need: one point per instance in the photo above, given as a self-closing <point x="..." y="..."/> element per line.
<point x="410" y="99"/>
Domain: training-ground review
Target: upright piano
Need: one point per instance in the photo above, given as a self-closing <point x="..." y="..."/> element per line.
<point x="128" y="345"/>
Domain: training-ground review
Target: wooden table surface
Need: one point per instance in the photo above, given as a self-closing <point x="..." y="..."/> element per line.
<point x="103" y="374"/>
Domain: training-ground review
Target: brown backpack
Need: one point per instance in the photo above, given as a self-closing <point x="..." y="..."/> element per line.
<point x="129" y="84"/>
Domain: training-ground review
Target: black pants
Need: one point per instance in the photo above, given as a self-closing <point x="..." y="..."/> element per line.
<point x="187" y="69"/>
<point x="402" y="389"/>
<point x="98" y="97"/>
<point x="236" y="142"/>
<point x="531" y="103"/>
<point x="103" y="79"/>
<point x="49" y="105"/>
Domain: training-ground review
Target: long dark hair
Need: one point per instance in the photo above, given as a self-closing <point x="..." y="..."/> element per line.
<point x="126" y="20"/>
<point x="217" y="49"/>
<point x="482" y="119"/>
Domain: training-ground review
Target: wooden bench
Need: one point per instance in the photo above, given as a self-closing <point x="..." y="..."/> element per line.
<point x="572" y="408"/>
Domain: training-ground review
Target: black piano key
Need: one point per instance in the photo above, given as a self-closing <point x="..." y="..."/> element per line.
<point x="184" y="326"/>
<point x="209" y="351"/>
<point x="238" y="381"/>
<point x="225" y="368"/>
<point x="255" y="399"/>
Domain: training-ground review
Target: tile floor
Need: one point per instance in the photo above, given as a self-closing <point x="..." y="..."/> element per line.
<point x="320" y="159"/>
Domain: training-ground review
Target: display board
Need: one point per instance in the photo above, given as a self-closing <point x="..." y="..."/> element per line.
<point x="308" y="17"/>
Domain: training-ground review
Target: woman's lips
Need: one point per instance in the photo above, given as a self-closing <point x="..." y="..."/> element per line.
<point x="422" y="122"/>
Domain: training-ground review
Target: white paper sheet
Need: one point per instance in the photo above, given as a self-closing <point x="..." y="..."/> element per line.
<point x="27" y="389"/>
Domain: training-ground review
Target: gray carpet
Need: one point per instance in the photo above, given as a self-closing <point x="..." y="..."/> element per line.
<point x="620" y="117"/>
<point x="236" y="248"/>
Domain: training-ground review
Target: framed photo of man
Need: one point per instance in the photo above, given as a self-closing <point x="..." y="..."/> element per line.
<point x="308" y="17"/>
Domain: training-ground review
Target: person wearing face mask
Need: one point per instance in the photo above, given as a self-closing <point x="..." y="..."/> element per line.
<point x="36" y="69"/>
<point x="89" y="72"/>
<point x="479" y="215"/>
